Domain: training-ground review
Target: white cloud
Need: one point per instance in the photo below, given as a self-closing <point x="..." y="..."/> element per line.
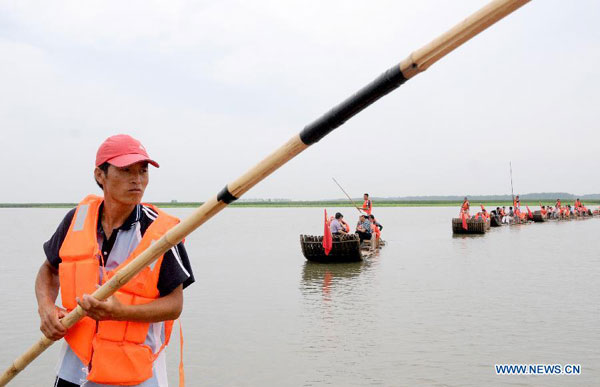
<point x="212" y="87"/>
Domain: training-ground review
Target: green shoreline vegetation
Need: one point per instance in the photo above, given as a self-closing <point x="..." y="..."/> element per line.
<point x="491" y="204"/>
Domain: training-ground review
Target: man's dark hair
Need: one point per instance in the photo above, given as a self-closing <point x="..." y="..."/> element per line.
<point x="367" y="194"/>
<point x="338" y="215"/>
<point x="104" y="168"/>
<point x="372" y="216"/>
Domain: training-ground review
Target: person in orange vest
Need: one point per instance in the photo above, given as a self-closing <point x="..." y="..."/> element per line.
<point x="465" y="207"/>
<point x="484" y="213"/>
<point x="367" y="204"/>
<point x="376" y="227"/>
<point x="376" y="231"/>
<point x="121" y="339"/>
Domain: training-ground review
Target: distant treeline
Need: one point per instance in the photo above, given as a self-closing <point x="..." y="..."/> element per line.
<point x="475" y="201"/>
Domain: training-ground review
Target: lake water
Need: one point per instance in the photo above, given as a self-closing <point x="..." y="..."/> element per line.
<point x="431" y="309"/>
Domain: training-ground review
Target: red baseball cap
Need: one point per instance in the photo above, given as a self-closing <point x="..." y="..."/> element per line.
<point x="122" y="150"/>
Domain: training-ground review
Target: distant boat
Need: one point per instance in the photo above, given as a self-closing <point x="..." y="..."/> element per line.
<point x="474" y="226"/>
<point x="345" y="248"/>
<point x="495" y="220"/>
<point x="538" y="216"/>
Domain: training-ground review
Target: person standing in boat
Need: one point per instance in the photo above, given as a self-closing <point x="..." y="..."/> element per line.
<point x="338" y="226"/>
<point x="465" y="207"/>
<point x="367" y="206"/>
<point x="363" y="228"/>
<point x="517" y="209"/>
<point x="121" y="339"/>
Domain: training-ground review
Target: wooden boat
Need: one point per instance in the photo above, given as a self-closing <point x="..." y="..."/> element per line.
<point x="345" y="248"/>
<point x="539" y="217"/>
<point x="474" y="226"/>
<point x="495" y="221"/>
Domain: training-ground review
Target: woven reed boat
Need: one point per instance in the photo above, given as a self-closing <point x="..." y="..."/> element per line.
<point x="345" y="248"/>
<point x="495" y="221"/>
<point x="474" y="226"/>
<point x="539" y="217"/>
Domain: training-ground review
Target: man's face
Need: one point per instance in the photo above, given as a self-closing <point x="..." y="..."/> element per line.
<point x="366" y="197"/>
<point x="125" y="185"/>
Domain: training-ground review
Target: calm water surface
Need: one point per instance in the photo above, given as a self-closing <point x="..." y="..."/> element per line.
<point x="431" y="309"/>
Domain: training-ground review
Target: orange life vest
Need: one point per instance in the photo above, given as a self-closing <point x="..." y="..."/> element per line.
<point x="465" y="206"/>
<point x="367" y="205"/>
<point x="115" y="349"/>
<point x="346" y="227"/>
<point x="375" y="229"/>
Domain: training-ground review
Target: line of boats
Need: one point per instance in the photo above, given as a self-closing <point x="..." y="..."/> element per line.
<point x="348" y="247"/>
<point x="481" y="225"/>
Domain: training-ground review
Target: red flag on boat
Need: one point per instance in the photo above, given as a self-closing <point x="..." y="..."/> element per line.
<point x="529" y="212"/>
<point x="464" y="220"/>
<point x="327" y="238"/>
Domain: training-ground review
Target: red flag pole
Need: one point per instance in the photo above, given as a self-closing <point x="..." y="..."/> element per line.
<point x="327" y="238"/>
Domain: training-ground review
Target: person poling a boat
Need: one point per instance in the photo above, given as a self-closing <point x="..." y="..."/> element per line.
<point x="338" y="226"/>
<point x="464" y="208"/>
<point x="367" y="206"/>
<point x="517" y="209"/>
<point x="120" y="342"/>
<point x="417" y="62"/>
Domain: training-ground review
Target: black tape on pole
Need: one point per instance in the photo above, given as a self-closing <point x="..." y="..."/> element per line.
<point x="225" y="196"/>
<point x="382" y="85"/>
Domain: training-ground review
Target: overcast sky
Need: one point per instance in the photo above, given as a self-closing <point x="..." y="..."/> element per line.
<point x="212" y="87"/>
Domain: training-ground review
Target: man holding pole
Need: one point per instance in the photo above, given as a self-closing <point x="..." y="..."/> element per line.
<point x="120" y="342"/>
<point x="367" y="206"/>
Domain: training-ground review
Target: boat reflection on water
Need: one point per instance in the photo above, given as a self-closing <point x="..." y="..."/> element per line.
<point x="325" y="278"/>
<point x="467" y="236"/>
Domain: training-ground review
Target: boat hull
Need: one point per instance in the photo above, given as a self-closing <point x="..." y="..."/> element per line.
<point x="474" y="226"/>
<point x="345" y="248"/>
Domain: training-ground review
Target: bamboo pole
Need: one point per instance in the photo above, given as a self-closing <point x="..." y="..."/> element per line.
<point x="348" y="196"/>
<point x="416" y="62"/>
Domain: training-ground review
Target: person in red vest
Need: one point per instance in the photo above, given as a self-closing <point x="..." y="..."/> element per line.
<point x="375" y="225"/>
<point x="121" y="339"/>
<point x="375" y="230"/>
<point x="367" y="204"/>
<point x="465" y="207"/>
